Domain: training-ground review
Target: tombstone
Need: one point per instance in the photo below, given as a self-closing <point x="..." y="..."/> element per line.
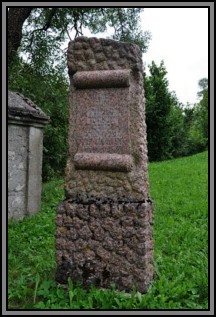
<point x="104" y="227"/>
<point x="25" y="144"/>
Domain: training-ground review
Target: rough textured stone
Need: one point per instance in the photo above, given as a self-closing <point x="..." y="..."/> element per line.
<point x="105" y="251"/>
<point x="107" y="216"/>
<point x="107" y="121"/>
<point x="25" y="145"/>
<point x="21" y="106"/>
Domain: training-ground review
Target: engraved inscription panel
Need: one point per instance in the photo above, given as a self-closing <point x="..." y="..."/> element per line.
<point x="102" y="122"/>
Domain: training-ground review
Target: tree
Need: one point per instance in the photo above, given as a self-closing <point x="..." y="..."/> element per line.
<point x="158" y="107"/>
<point x="46" y="29"/>
<point x="178" y="130"/>
<point x="203" y="86"/>
<point x="199" y="127"/>
<point x="166" y="133"/>
<point x="16" y="18"/>
<point x="203" y="109"/>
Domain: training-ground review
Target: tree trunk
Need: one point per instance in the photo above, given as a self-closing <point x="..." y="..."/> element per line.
<point x="16" y="18"/>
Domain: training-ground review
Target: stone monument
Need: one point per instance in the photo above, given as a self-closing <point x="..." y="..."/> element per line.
<point x="104" y="227"/>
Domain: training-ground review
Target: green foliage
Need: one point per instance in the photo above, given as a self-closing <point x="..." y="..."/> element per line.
<point x="46" y="30"/>
<point x="173" y="130"/>
<point x="179" y="189"/>
<point x="196" y="120"/>
<point x="32" y="248"/>
<point x="123" y="21"/>
<point x="178" y="133"/>
<point x="50" y="93"/>
<point x="201" y="112"/>
<point x="161" y="114"/>
<point x="203" y="86"/>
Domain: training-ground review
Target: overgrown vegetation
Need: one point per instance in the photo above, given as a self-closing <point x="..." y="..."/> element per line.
<point x="173" y="129"/>
<point x="179" y="189"/>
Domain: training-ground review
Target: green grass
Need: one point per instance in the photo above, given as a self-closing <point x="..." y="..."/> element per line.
<point x="179" y="189"/>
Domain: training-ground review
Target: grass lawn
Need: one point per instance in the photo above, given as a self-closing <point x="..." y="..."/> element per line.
<point x="179" y="189"/>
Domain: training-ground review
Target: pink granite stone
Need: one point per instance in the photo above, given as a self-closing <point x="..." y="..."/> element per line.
<point x="103" y="161"/>
<point x="107" y="120"/>
<point x="104" y="229"/>
<point x="102" y="121"/>
<point x="100" y="79"/>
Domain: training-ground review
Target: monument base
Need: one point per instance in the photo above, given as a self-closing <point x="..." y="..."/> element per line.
<point x="100" y="241"/>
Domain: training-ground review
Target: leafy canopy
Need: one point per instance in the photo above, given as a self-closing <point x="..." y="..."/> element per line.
<point x="47" y="29"/>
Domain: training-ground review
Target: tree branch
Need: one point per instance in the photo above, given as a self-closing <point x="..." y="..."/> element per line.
<point x="16" y="18"/>
<point x="78" y="17"/>
<point x="120" y="21"/>
<point x="49" y="19"/>
<point x="68" y="34"/>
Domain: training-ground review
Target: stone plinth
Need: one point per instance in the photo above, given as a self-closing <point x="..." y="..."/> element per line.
<point x="104" y="228"/>
<point x="25" y="150"/>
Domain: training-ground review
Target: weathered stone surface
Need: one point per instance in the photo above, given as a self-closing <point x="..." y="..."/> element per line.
<point x="21" y="106"/>
<point x="25" y="145"/>
<point x="17" y="167"/>
<point x="107" y="120"/>
<point x="100" y="127"/>
<point x="101" y="79"/>
<point x="107" y="216"/>
<point x="100" y="161"/>
<point x="103" y="250"/>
